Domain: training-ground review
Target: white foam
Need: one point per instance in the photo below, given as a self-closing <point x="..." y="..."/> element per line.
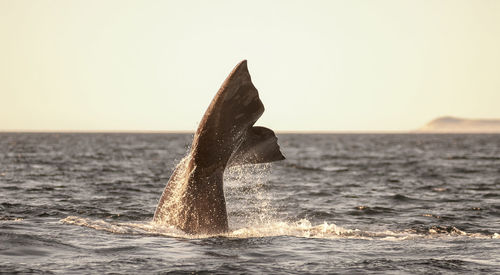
<point x="301" y="229"/>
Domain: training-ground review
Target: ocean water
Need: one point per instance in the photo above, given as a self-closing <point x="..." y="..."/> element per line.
<point x="340" y="204"/>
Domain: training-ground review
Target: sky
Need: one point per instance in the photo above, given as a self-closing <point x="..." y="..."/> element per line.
<point x="341" y="66"/>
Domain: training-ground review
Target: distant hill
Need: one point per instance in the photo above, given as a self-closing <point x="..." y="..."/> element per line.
<point x="461" y="125"/>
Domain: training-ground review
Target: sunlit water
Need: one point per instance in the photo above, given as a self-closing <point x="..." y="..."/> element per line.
<point x="388" y="204"/>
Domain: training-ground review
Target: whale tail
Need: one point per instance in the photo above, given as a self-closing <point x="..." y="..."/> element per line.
<point x="260" y="145"/>
<point x="193" y="199"/>
<point x="226" y="132"/>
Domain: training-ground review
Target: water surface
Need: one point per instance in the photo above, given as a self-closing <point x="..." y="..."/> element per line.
<point x="387" y="204"/>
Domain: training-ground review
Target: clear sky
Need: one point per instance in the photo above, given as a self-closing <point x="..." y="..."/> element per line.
<point x="318" y="65"/>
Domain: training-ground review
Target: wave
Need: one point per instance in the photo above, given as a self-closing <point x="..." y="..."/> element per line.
<point x="300" y="229"/>
<point x="319" y="168"/>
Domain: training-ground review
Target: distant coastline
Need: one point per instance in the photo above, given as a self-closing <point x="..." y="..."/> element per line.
<point x="448" y="124"/>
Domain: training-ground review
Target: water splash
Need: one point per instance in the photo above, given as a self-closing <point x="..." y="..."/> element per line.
<point x="165" y="215"/>
<point x="300" y="229"/>
<point x="247" y="198"/>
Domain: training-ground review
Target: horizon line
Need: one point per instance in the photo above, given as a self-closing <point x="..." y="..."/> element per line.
<point x="52" y="131"/>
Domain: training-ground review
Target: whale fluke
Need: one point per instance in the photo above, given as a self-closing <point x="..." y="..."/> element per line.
<point x="193" y="199"/>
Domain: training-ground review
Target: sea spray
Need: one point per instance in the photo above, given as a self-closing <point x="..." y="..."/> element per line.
<point x="164" y="214"/>
<point x="247" y="195"/>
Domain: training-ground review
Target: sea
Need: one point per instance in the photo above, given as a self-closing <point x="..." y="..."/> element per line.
<point x="82" y="203"/>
